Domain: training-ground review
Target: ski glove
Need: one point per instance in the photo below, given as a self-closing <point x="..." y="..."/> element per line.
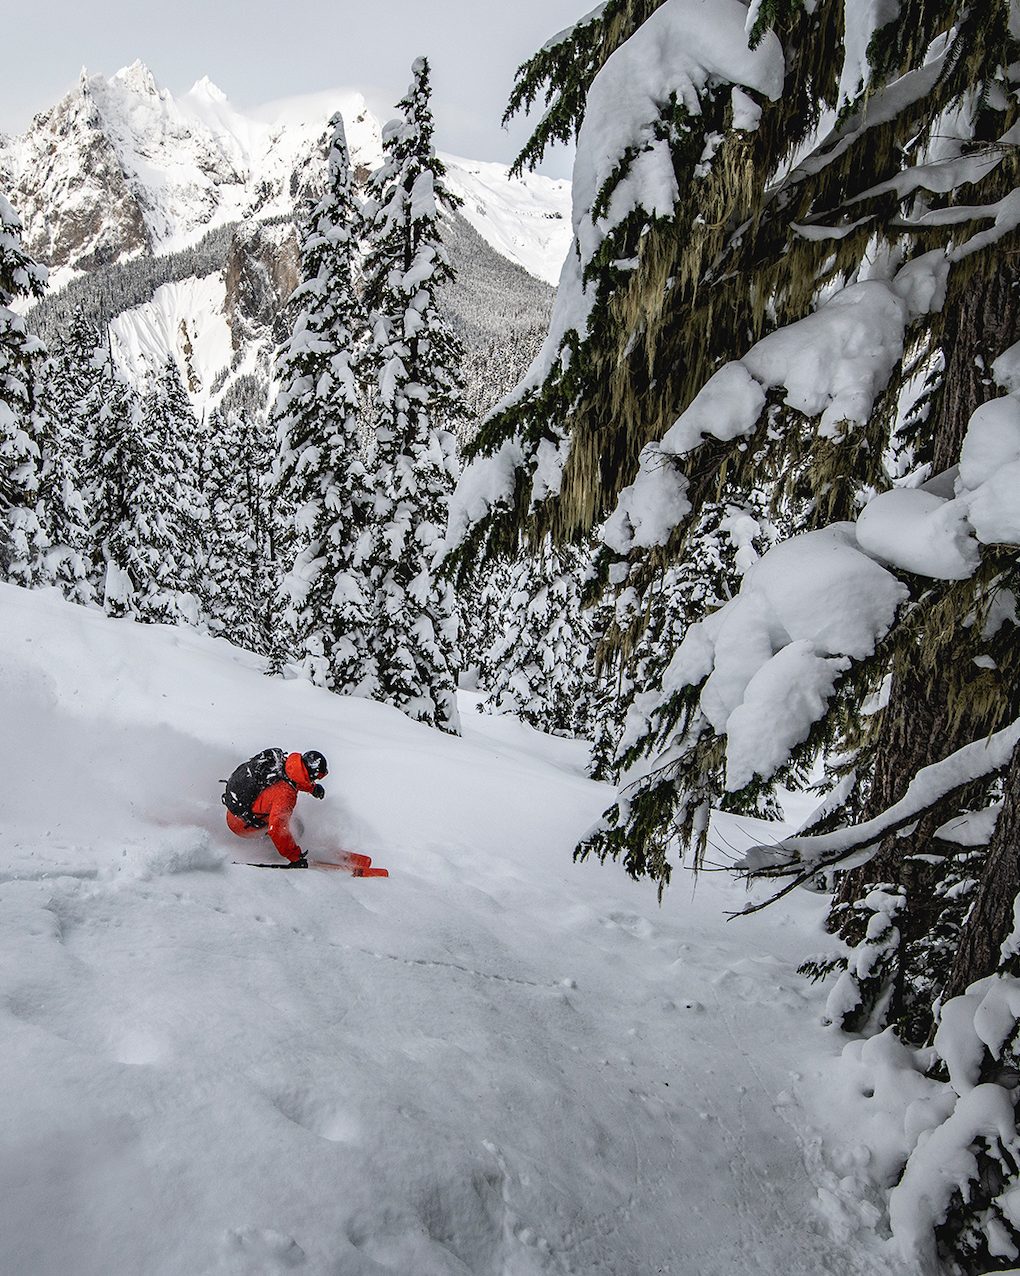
<point x="318" y="792"/>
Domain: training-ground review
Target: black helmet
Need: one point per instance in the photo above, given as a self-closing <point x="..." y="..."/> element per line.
<point x="315" y="764"/>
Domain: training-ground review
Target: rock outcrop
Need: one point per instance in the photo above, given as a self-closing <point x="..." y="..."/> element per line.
<point x="261" y="273"/>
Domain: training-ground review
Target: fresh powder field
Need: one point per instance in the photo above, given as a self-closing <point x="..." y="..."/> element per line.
<point x="495" y="1061"/>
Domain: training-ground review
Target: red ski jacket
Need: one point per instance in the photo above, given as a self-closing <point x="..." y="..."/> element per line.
<point x="275" y="805"/>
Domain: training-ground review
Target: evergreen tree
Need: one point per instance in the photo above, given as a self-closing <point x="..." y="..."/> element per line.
<point x="326" y="619"/>
<point x="74" y="398"/>
<point x="78" y="394"/>
<point x="641" y="629"/>
<point x="129" y="524"/>
<point x="40" y="506"/>
<point x="21" y="358"/>
<point x="732" y="328"/>
<point x="78" y="363"/>
<point x="61" y="508"/>
<point x="482" y="599"/>
<point x="239" y="584"/>
<point x="412" y="365"/>
<point x="178" y="517"/>
<point x="541" y="666"/>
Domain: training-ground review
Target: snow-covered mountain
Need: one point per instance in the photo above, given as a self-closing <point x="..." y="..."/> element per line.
<point x="217" y="309"/>
<point x="172" y="220"/>
<point x="526" y="219"/>
<point x="120" y="167"/>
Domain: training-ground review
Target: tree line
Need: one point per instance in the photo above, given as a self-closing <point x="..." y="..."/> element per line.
<point x="311" y="537"/>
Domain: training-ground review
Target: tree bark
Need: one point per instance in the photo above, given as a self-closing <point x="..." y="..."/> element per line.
<point x="916" y="729"/>
<point x="984" y="325"/>
<point x="915" y="733"/>
<point x="984" y="322"/>
<point x="991" y="916"/>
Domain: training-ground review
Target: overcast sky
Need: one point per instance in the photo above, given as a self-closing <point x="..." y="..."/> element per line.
<point x="260" y="50"/>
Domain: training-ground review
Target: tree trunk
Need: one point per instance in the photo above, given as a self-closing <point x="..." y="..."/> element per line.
<point x="916" y="729"/>
<point x="991" y="916"/>
<point x="915" y="733"/>
<point x="984" y="321"/>
<point x="984" y="325"/>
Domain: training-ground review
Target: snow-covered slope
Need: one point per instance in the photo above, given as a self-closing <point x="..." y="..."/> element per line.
<point x="186" y="321"/>
<point x="495" y="1062"/>
<point x="221" y="323"/>
<point x="526" y="219"/>
<point x="121" y="166"/>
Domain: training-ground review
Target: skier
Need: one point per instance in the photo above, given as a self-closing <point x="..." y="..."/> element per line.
<point x="262" y="793"/>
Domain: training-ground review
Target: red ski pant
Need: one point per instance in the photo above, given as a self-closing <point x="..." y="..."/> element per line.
<point x="238" y="826"/>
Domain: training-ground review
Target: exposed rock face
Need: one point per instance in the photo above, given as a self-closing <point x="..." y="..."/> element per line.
<point x="183" y="172"/>
<point x="70" y="190"/>
<point x="262" y="271"/>
<point x="121" y="166"/>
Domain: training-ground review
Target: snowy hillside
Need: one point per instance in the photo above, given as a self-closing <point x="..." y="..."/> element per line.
<point x="186" y="320"/>
<point x="120" y="167"/>
<point x="217" y="311"/>
<point x="494" y="1062"/>
<point x="526" y="219"/>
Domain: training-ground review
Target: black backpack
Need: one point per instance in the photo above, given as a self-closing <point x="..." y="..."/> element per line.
<point x="249" y="780"/>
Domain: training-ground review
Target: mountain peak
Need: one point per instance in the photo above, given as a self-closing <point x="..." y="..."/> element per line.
<point x="205" y="88"/>
<point x="173" y="168"/>
<point x="137" y="77"/>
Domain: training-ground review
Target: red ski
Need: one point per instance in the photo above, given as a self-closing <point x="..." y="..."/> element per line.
<point x="346" y="862"/>
<point x="349" y="862"/>
<point x="348" y="859"/>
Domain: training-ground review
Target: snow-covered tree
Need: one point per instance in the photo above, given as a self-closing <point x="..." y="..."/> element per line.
<point x="42" y="517"/>
<point x="736" y="327"/>
<point x="541" y="665"/>
<point x="21" y="359"/>
<point x="75" y="398"/>
<point x="750" y="345"/>
<point x="116" y="494"/>
<point x="79" y="358"/>
<point x="412" y="366"/>
<point x="60" y="507"/>
<point x="177" y="519"/>
<point x="132" y="528"/>
<point x="326" y="617"/>
<point x="76" y="394"/>
<point x="640" y="628"/>
<point x="239" y="583"/>
<point x="482" y="598"/>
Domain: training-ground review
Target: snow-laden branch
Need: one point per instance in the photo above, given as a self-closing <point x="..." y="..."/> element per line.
<point x="625" y="165"/>
<point x="831" y="365"/>
<point x="805" y="855"/>
<point x="769" y="661"/>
